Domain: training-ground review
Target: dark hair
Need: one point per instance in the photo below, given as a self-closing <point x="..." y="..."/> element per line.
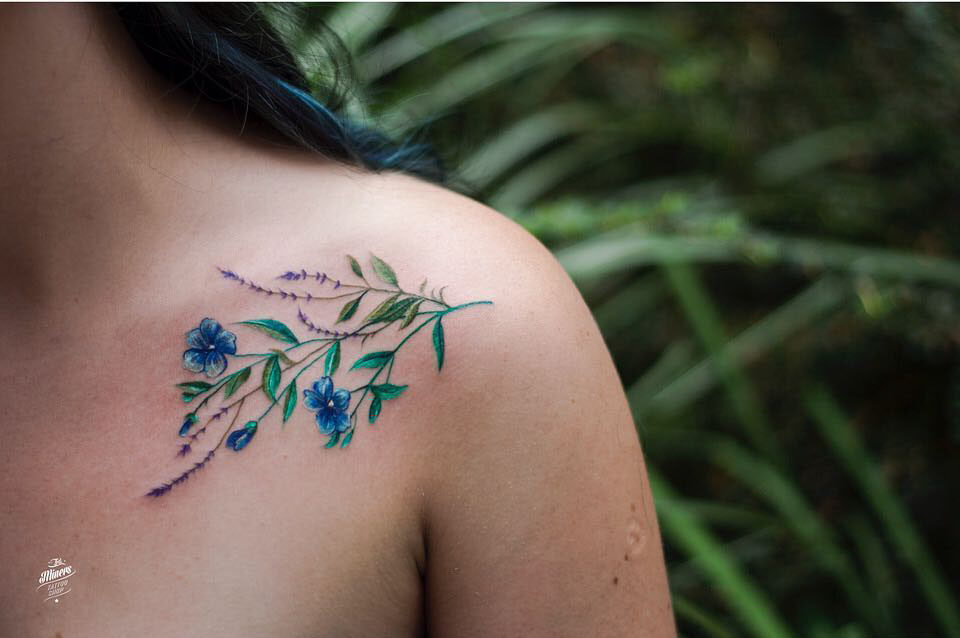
<point x="232" y="54"/>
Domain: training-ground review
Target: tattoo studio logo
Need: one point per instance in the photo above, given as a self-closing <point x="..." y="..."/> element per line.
<point x="55" y="579"/>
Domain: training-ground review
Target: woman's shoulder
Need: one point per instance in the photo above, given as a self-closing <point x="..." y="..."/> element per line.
<point x="437" y="222"/>
<point x="437" y="241"/>
<point x="443" y="246"/>
<point x="518" y="425"/>
<point x="508" y="324"/>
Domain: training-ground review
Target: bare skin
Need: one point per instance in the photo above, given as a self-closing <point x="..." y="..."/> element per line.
<point x="504" y="497"/>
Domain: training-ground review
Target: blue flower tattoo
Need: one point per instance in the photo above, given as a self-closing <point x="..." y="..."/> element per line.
<point x="238" y="439"/>
<point x="209" y="345"/>
<point x="330" y="406"/>
<point x="188" y="422"/>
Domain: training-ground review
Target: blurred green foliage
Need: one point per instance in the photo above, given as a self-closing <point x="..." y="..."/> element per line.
<point x="760" y="203"/>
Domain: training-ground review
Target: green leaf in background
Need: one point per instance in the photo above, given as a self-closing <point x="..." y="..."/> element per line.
<point x="387" y="391"/>
<point x="438" y="345"/>
<point x="844" y="441"/>
<point x="373" y="360"/>
<point x="422" y="38"/>
<point x="712" y="627"/>
<point x="383" y="270"/>
<point x="355" y="267"/>
<point x="375" y="407"/>
<point x="290" y="400"/>
<point x="333" y="440"/>
<point x="271" y="378"/>
<point x="705" y="320"/>
<point x="332" y="360"/>
<point x="348" y="309"/>
<point x="357" y="23"/>
<point x="347" y="438"/>
<point x="273" y="328"/>
<point x="750" y="603"/>
<point x="775" y="487"/>
<point x="237" y="379"/>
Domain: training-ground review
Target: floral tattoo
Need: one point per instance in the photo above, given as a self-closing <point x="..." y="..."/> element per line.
<point x="210" y="348"/>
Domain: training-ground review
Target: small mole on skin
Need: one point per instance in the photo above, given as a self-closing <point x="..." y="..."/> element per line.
<point x="615" y="580"/>
<point x="59" y="635"/>
<point x="626" y="557"/>
<point x="633" y="507"/>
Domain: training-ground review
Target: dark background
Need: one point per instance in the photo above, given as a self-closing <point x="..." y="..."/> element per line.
<point x="761" y="203"/>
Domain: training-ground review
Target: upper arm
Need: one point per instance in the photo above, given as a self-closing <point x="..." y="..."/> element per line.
<point x="539" y="521"/>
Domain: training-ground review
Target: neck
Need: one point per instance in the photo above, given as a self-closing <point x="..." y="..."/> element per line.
<point x="95" y="152"/>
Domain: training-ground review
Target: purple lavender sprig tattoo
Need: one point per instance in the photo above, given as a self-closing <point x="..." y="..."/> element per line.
<point x="211" y="348"/>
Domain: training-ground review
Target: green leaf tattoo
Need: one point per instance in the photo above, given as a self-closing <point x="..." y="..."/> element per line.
<point x="410" y="314"/>
<point x="194" y="387"/>
<point x="236" y="380"/>
<point x="438" y="344"/>
<point x="382" y="310"/>
<point x="290" y="402"/>
<point x="375" y="407"/>
<point x="387" y="390"/>
<point x="271" y="377"/>
<point x="383" y="270"/>
<point x="355" y="267"/>
<point x="349" y="309"/>
<point x="273" y="328"/>
<point x="212" y="349"/>
<point x="373" y="360"/>
<point x="332" y="361"/>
